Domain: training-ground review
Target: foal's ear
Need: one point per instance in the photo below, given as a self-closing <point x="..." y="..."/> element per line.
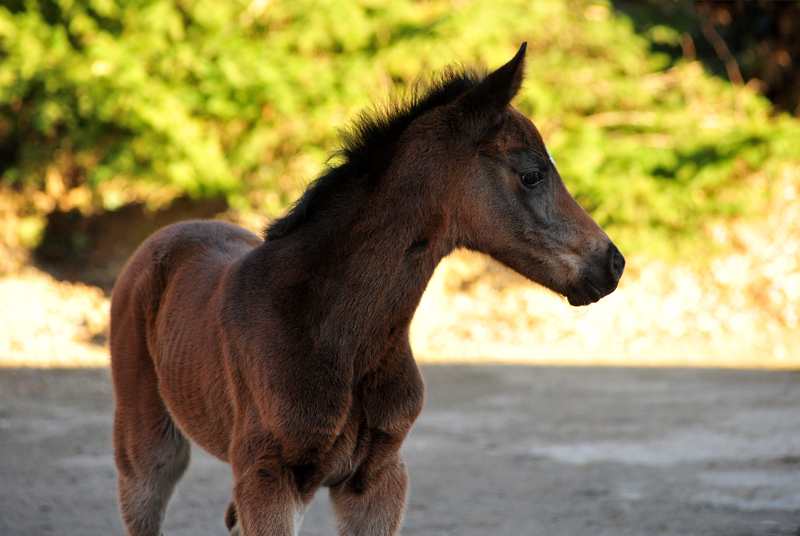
<point x="479" y="109"/>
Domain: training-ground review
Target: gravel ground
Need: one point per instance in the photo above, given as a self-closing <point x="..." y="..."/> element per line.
<point x="500" y="450"/>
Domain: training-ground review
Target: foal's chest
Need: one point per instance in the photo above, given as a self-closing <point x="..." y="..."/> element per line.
<point x="381" y="416"/>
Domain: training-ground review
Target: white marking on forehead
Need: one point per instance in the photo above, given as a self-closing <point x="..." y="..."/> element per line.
<point x="551" y="159"/>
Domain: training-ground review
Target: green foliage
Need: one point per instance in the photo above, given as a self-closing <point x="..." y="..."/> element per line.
<point x="149" y="99"/>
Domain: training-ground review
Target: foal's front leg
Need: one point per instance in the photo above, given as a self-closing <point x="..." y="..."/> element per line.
<point x="268" y="501"/>
<point x="236" y="530"/>
<point x="372" y="502"/>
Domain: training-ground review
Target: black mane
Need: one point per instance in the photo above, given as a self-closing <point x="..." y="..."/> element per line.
<point x="366" y="146"/>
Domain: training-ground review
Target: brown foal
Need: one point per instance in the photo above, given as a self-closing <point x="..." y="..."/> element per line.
<point x="288" y="356"/>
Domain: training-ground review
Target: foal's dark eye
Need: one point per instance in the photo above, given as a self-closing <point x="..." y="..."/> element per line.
<point x="533" y="178"/>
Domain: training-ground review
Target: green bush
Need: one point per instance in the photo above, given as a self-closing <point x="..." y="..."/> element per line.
<point x="150" y="99"/>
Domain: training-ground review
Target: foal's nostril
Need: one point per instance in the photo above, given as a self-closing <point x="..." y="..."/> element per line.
<point x="616" y="262"/>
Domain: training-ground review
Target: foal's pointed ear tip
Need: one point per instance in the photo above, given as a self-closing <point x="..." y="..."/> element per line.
<point x="519" y="57"/>
<point x="521" y="52"/>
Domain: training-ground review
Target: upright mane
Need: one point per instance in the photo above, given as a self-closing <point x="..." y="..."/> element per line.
<point x="365" y="147"/>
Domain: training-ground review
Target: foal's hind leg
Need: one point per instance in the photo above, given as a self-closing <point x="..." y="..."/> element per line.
<point x="150" y="452"/>
<point x="374" y="507"/>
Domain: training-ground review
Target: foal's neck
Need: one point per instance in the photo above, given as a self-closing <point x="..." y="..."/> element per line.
<point x="368" y="265"/>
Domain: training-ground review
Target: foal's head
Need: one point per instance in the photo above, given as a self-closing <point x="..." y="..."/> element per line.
<point x="505" y="196"/>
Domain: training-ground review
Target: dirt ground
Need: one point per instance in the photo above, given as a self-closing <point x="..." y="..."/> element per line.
<point x="498" y="450"/>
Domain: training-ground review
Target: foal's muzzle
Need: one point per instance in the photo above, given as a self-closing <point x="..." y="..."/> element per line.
<point x="600" y="277"/>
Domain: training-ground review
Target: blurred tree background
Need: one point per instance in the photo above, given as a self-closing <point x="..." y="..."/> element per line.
<point x="663" y="116"/>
